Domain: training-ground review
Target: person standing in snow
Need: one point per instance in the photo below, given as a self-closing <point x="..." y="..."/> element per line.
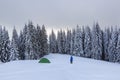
<point x="71" y="59"/>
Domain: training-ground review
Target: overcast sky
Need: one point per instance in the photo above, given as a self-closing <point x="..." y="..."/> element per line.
<point x="58" y="14"/>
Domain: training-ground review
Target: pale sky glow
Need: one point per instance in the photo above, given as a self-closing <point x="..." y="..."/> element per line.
<point x="58" y="14"/>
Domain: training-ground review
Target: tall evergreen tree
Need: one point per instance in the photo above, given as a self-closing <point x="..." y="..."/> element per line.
<point x="5" y="55"/>
<point x="29" y="51"/>
<point x="24" y="39"/>
<point x="68" y="42"/>
<point x="44" y="44"/>
<point x="38" y="42"/>
<point x="72" y="42"/>
<point x="106" y="41"/>
<point x="14" y="46"/>
<point x="78" y="50"/>
<point x="112" y="46"/>
<point x="21" y="46"/>
<point x="97" y="42"/>
<point x="87" y="43"/>
<point x="61" y="40"/>
<point x="52" y="43"/>
<point x="83" y="40"/>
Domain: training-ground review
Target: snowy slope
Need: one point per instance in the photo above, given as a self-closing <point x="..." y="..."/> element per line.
<point x="60" y="69"/>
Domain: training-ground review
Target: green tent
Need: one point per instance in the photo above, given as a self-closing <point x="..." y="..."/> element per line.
<point x="44" y="60"/>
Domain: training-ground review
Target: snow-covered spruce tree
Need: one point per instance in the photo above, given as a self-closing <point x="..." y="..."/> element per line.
<point x="44" y="44"/>
<point x="68" y="42"/>
<point x="34" y="43"/>
<point x="5" y="53"/>
<point x="27" y="43"/>
<point x="21" y="46"/>
<point x="29" y="51"/>
<point x="118" y="47"/>
<point x="23" y="40"/>
<point x="97" y="42"/>
<point x="106" y="40"/>
<point x="87" y="42"/>
<point x="52" y="43"/>
<point x="61" y="40"/>
<point x="72" y="42"/>
<point x="38" y="42"/>
<point x="78" y="50"/>
<point x="83" y="40"/>
<point x="14" y="54"/>
<point x="112" y="46"/>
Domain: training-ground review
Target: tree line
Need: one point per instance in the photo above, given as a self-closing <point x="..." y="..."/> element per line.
<point x="29" y="45"/>
<point x="33" y="43"/>
<point x="88" y="42"/>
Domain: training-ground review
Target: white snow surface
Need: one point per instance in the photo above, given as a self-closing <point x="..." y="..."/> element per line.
<point x="60" y="69"/>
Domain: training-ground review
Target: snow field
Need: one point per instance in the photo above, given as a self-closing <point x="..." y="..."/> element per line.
<point x="60" y="69"/>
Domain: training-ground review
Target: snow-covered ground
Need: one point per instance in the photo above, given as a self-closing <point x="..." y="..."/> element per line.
<point x="60" y="69"/>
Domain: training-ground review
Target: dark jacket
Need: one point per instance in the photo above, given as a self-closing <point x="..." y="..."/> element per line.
<point x="71" y="59"/>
